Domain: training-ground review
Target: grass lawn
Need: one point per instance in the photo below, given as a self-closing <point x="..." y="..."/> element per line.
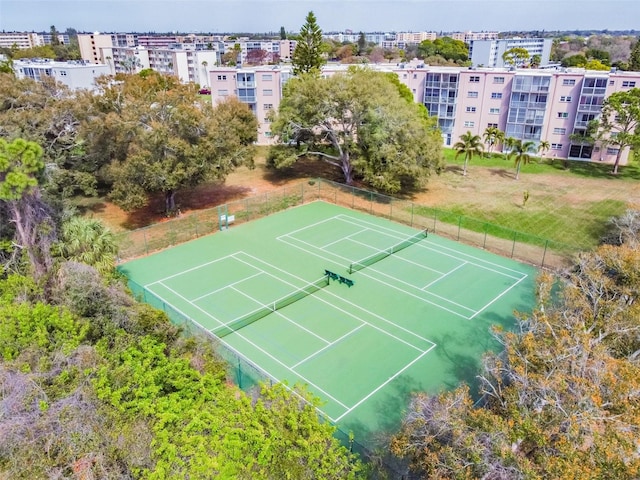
<point x="568" y="202"/>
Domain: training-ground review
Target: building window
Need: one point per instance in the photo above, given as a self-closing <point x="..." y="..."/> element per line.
<point x="568" y="81"/>
<point x="404" y="75"/>
<point x="268" y="134"/>
<point x="559" y="131"/>
<point x="496" y="95"/>
<point x="556" y="146"/>
<point x="267" y="106"/>
<point x="612" y="151"/>
<point x="223" y="93"/>
<point x="474" y="79"/>
<point x="628" y="84"/>
<point x="267" y="92"/>
<point x="492" y="125"/>
<point x="415" y="76"/>
<point x="471" y="109"/>
<point x="267" y="77"/>
<point x="498" y="79"/>
<point x="494" y="111"/>
<point x="563" y="114"/>
<point x="612" y="82"/>
<point x="472" y="94"/>
<point x="222" y="77"/>
<point x="565" y="98"/>
<point x="63" y="73"/>
<point x="469" y="124"/>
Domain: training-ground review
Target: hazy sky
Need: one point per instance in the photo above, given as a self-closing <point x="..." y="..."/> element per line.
<point x="357" y="15"/>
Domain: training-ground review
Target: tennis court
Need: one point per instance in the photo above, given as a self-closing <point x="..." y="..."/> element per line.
<point x="360" y="309"/>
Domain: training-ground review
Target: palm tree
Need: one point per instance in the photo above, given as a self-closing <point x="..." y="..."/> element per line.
<point x="493" y="136"/>
<point x="468" y="145"/>
<point x="543" y="147"/>
<point x="521" y="152"/>
<point x="87" y="240"/>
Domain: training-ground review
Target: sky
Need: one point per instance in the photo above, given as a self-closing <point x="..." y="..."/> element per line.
<point x="357" y="15"/>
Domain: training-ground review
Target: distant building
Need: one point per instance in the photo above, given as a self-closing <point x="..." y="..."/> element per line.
<point x="413" y="38"/>
<point x="74" y="74"/>
<point x="91" y="46"/>
<point x="468" y="37"/>
<point x="527" y="104"/>
<point x="488" y="53"/>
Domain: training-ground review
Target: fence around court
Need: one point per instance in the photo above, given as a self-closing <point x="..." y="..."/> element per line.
<point x="477" y="233"/>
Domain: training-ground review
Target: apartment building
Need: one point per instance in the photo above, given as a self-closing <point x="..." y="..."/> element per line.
<point x="413" y="38"/>
<point x="528" y="104"/>
<point x="91" y="46"/>
<point x="468" y="37"/>
<point x="488" y="53"/>
<point x="75" y="74"/>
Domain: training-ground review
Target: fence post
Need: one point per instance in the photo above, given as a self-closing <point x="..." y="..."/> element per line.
<point x="544" y="253"/>
<point x="371" y="203"/>
<point x="195" y="216"/>
<point x="459" y="223"/>
<point x="484" y="243"/>
<point x="353" y="198"/>
<point x="513" y="248"/>
<point x="411" y="214"/>
<point x="146" y="245"/>
<point x="391" y="209"/>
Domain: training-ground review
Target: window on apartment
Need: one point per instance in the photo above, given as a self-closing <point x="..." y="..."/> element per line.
<point x="496" y="95"/>
<point x="612" y="151"/>
<point x="472" y="94"/>
<point x="469" y="124"/>
<point x="415" y="76"/>
<point x="267" y="92"/>
<point x="268" y="134"/>
<point x="267" y="77"/>
<point x="223" y="93"/>
<point x="404" y="75"/>
<point x="492" y="125"/>
<point x="565" y="98"/>
<point x="628" y="84"/>
<point x="498" y="79"/>
<point x="222" y="77"/>
<point x="63" y="73"/>
<point x="471" y="109"/>
<point x="563" y="114"/>
<point x="568" y="81"/>
<point x="559" y="131"/>
<point x="612" y="82"/>
<point x="267" y="106"/>
<point x="556" y="146"/>
<point x="474" y="79"/>
<point x="494" y="111"/>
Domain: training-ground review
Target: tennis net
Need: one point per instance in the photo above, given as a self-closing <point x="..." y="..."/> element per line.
<point x="376" y="257"/>
<point x="265" y="310"/>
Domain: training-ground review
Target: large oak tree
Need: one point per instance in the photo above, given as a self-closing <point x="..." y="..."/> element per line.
<point x="359" y="122"/>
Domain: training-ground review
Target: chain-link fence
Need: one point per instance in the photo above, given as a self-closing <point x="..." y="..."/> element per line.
<point x="478" y="233"/>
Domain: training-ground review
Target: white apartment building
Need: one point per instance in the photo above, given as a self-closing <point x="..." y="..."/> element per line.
<point x="528" y="104"/>
<point x="74" y="74"/>
<point x="189" y="66"/>
<point x="412" y="38"/>
<point x="468" y="37"/>
<point x="488" y="53"/>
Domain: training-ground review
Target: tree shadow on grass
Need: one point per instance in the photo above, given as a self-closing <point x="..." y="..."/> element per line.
<point x="501" y="172"/>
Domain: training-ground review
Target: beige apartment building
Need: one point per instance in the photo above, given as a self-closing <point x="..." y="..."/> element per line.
<point x="528" y="104"/>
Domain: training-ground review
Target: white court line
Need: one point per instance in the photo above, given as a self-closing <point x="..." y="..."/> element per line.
<point x="443" y="275"/>
<point x="273" y="311"/>
<point x="189" y="270"/>
<point x="355" y="306"/>
<point x="385" y="383"/>
<point x="237" y="353"/>
<point x="357" y="221"/>
<point x="328" y="346"/>
<point x="348" y="237"/>
<point x="424" y="267"/>
<point x="335" y="217"/>
<point x="225" y="287"/>
<point x="261" y="349"/>
<point x="362" y="272"/>
<point x="498" y="297"/>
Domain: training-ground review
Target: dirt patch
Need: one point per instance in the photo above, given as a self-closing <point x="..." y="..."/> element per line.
<point x="482" y="188"/>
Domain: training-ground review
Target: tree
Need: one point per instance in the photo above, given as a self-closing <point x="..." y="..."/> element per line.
<point x="307" y="56"/>
<point x="536" y="60"/>
<point x="362" y="44"/>
<point x="54" y="36"/>
<point x="358" y="122"/>
<point x="516" y="57"/>
<point x="88" y="241"/>
<point x="257" y="57"/>
<point x="20" y="166"/>
<point x="493" y="136"/>
<point x="634" y="57"/>
<point x="468" y="146"/>
<point x="520" y="151"/>
<point x="619" y="122"/>
<point x="157" y="139"/>
<point x="543" y="147"/>
<point x="283" y="34"/>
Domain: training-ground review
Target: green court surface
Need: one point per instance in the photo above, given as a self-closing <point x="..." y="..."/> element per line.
<point x="416" y="320"/>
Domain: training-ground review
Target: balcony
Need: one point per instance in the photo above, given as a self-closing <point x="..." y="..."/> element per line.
<point x="590" y="108"/>
<point x="241" y="84"/>
<point x="247" y="98"/>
